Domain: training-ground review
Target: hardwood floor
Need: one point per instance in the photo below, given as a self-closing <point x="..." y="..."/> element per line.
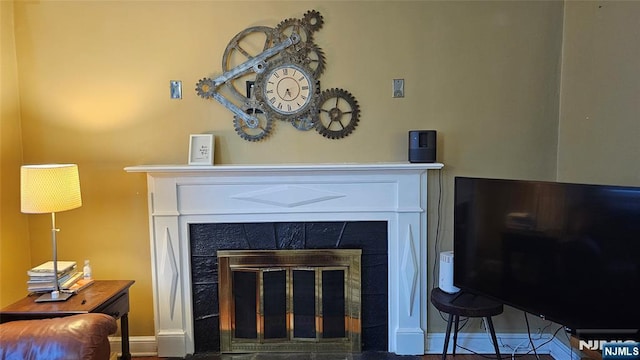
<point x="425" y="357"/>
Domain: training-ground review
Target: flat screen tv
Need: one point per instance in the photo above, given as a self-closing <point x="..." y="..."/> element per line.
<point x="569" y="253"/>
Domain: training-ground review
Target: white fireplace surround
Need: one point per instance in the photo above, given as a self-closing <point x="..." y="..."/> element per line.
<point x="180" y="195"/>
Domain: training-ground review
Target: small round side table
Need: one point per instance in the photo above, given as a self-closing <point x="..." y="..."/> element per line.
<point x="465" y="304"/>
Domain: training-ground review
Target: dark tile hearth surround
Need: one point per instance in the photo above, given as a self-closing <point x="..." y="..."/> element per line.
<point x="370" y="236"/>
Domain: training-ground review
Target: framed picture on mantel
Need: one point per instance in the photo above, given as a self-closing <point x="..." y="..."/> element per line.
<point x="201" y="149"/>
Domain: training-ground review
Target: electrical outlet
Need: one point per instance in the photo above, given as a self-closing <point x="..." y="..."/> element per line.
<point x="176" y="89"/>
<point x="398" y="88"/>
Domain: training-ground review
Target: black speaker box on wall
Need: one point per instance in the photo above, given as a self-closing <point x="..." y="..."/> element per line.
<point x="422" y="146"/>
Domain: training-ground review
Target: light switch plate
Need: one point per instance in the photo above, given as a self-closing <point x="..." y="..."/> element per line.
<point x="176" y="89"/>
<point x="398" y="88"/>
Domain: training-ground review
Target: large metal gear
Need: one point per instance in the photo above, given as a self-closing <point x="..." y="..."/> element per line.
<point x="254" y="130"/>
<point x="337" y="113"/>
<point x="244" y="46"/>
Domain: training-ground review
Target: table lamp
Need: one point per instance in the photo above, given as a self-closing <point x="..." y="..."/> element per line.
<point x="50" y="188"/>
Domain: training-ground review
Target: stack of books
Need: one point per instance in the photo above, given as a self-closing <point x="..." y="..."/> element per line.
<point x="79" y="285"/>
<point x="42" y="278"/>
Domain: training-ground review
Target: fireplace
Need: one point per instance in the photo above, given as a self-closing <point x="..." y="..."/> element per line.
<point x="182" y="196"/>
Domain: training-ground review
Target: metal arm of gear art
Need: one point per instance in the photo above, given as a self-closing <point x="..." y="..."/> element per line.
<point x="207" y="88"/>
<point x="284" y="78"/>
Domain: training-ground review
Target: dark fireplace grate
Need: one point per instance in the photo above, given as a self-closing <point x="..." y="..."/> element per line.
<point x="289" y="300"/>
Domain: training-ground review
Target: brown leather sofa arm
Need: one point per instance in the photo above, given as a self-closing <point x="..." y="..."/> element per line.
<point x="83" y="336"/>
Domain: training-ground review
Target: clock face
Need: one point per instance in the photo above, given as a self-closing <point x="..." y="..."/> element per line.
<point x="288" y="89"/>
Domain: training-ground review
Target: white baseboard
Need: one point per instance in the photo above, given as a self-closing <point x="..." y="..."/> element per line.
<point x="561" y="351"/>
<point x="509" y="343"/>
<point x="138" y="345"/>
<point x="476" y="342"/>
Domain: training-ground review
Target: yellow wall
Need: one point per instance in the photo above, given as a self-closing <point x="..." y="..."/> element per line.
<point x="599" y="126"/>
<point x="14" y="239"/>
<point x="94" y="90"/>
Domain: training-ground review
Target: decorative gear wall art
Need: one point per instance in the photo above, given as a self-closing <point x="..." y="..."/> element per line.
<point x="271" y="73"/>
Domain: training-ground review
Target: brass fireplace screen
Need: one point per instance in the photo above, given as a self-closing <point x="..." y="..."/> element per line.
<point x="289" y="300"/>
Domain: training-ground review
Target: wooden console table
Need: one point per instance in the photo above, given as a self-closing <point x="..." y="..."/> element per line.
<point x="109" y="297"/>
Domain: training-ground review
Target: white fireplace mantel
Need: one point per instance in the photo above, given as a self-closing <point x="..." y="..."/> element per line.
<point x="180" y="195"/>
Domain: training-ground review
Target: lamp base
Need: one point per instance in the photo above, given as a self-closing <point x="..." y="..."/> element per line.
<point x="48" y="297"/>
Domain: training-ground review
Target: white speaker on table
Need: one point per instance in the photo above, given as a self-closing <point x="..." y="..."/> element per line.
<point x="446" y="273"/>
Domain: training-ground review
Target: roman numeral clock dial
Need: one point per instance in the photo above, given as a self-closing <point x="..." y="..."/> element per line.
<point x="288" y="89"/>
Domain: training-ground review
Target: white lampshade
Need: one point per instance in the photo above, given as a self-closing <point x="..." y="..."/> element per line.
<point x="49" y="188"/>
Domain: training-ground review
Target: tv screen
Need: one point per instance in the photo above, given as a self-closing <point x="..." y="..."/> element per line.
<point x="567" y="252"/>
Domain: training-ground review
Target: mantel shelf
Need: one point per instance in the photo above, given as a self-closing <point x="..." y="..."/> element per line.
<point x="182" y="168"/>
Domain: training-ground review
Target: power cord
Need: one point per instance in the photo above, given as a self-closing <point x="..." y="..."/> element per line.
<point x="533" y="349"/>
<point x="514" y="356"/>
<point x="533" y="346"/>
<point x="438" y="225"/>
<point x="548" y="341"/>
<point x="570" y="347"/>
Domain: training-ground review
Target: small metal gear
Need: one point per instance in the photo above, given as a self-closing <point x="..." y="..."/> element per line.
<point x="289" y="26"/>
<point x="304" y="123"/>
<point x="254" y="130"/>
<point x="313" y="20"/>
<point x="310" y="55"/>
<point x="337" y="113"/>
<point x="205" y="88"/>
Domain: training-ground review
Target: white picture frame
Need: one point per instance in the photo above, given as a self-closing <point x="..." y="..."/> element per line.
<point x="201" y="149"/>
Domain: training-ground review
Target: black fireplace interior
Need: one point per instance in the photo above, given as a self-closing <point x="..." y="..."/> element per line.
<point x="207" y="239"/>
